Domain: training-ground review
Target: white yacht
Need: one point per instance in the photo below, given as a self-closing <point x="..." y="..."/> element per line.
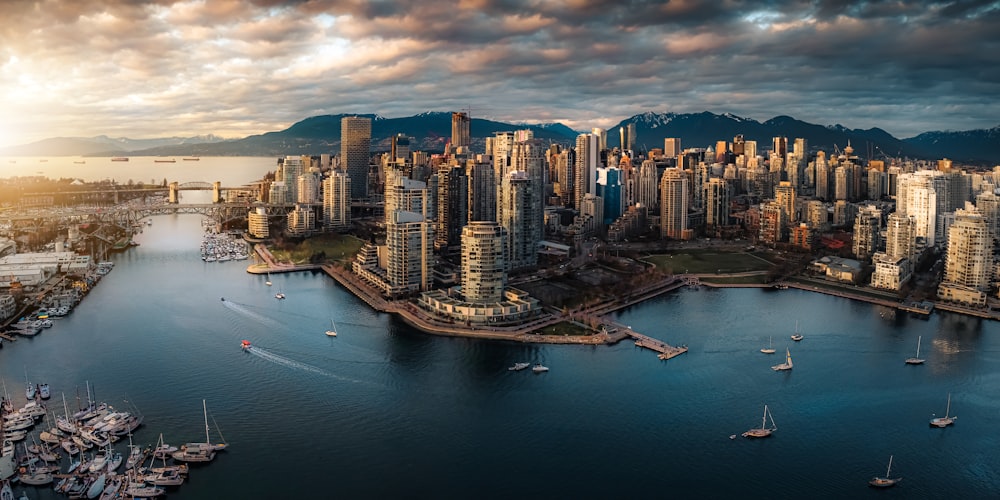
<point x="763" y="431"/>
<point x="518" y="366"/>
<point x="539" y="368"/>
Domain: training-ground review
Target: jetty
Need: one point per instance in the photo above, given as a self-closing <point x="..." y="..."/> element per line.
<point x="664" y="350"/>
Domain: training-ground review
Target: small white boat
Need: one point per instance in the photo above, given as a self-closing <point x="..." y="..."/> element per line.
<point x="797" y="336"/>
<point x="518" y="366"/>
<point x="539" y="368"/>
<point x="279" y="296"/>
<point x="915" y="360"/>
<point x="332" y="332"/>
<point x="268" y="282"/>
<point x="887" y="481"/>
<point x="946" y="420"/>
<point x="97" y="487"/>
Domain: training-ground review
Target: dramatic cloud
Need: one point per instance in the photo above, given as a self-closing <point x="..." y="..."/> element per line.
<point x="241" y="67"/>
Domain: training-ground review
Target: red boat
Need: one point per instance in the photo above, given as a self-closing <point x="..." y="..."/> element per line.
<point x="245" y="345"/>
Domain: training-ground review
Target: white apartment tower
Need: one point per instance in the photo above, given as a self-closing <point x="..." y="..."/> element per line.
<point x="520" y="218"/>
<point x="968" y="271"/>
<point x="484" y="262"/>
<point x="337" y="201"/>
<point x="409" y="239"/>
<point x="585" y="171"/>
<point x="867" y="225"/>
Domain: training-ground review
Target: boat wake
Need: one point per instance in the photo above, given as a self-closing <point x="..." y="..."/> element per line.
<point x="245" y="311"/>
<point x="290" y="363"/>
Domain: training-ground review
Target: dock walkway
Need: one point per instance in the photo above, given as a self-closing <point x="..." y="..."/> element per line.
<point x="664" y="350"/>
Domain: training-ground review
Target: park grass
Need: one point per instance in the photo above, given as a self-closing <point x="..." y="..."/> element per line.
<point x="566" y="328"/>
<point x="322" y="248"/>
<point x="708" y="262"/>
<point x="735" y="280"/>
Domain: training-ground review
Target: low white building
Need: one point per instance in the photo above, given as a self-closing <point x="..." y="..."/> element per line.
<point x="890" y="274"/>
<point x="515" y="307"/>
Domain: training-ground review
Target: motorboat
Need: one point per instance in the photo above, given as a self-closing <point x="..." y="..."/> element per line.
<point x="245" y="345"/>
<point x="518" y="366"/>
<point x="539" y="368"/>
<point x="97" y="487"/>
<point x="43" y="389"/>
<point x="279" y="296"/>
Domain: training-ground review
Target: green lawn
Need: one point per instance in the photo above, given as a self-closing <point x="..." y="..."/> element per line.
<point x="736" y="280"/>
<point x="332" y="248"/>
<point x="706" y="262"/>
<point x="566" y="328"/>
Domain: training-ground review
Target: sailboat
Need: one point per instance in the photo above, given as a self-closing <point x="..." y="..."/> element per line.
<point x="770" y="347"/>
<point x="268" y="282"/>
<point x="915" y="360"/>
<point x="763" y="431"/>
<point x="787" y="365"/>
<point x="280" y="295"/>
<point x="946" y="420"/>
<point x="29" y="389"/>
<point x="885" y="482"/>
<point x="332" y="332"/>
<point x="796" y="336"/>
<point x="199" y="452"/>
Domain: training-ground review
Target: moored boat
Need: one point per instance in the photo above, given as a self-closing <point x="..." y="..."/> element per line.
<point x="539" y="368"/>
<point x="518" y="366"/>
<point x="887" y="481"/>
<point x="762" y="431"/>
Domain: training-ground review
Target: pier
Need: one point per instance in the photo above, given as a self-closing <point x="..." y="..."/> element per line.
<point x="664" y="350"/>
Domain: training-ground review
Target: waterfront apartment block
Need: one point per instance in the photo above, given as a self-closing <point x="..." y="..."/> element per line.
<point x="968" y="271"/>
<point x="257" y="223"/>
<point x="337" y="201"/>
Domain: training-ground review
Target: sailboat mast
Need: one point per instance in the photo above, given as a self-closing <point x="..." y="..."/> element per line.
<point x="763" y="419"/>
<point x="947" y="409"/>
<point x="888" y="468"/>
<point x="918" y="346"/>
<point x="205" y="409"/>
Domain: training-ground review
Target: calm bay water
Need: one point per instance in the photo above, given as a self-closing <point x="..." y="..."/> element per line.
<point x="384" y="411"/>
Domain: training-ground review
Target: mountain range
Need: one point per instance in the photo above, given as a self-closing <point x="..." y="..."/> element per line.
<point x="430" y="132"/>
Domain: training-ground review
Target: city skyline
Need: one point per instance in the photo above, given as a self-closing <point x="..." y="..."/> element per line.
<point x="242" y="67"/>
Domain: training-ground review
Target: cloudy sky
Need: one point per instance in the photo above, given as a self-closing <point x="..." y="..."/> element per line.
<point x="240" y="67"/>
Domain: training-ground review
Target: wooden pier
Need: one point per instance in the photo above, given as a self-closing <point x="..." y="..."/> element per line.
<point x="6" y="337"/>
<point x="663" y="349"/>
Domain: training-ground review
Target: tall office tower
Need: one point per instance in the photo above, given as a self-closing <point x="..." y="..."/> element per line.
<point x="750" y="149"/>
<point x="460" y="130"/>
<point x="403" y="193"/>
<point x="721" y="152"/>
<point x="779" y="146"/>
<point x="484" y="262"/>
<point x="988" y="204"/>
<point x="892" y="181"/>
<point x="959" y="189"/>
<point x="717" y="202"/>
<point x="817" y="216"/>
<point x="759" y="183"/>
<point x="739" y="145"/>
<point x="602" y="138"/>
<point x="899" y="237"/>
<point x="609" y="189"/>
<point x="452" y="207"/>
<point x="671" y="147"/>
<point x="646" y="186"/>
<point x="257" y="224"/>
<point x="698" y="181"/>
<point x="784" y="196"/>
<point x="355" y="148"/>
<point x="400" y="150"/>
<point x="793" y="170"/>
<point x="337" y="201"/>
<point x="585" y="171"/>
<point x="291" y="169"/>
<point x="674" y="199"/>
<point x="308" y="185"/>
<point x="822" y="177"/>
<point x="564" y="182"/>
<point x="968" y="270"/>
<point x="301" y="221"/>
<point x="409" y="240"/>
<point x="801" y="148"/>
<point x="626" y="135"/>
<point x="867" y="225"/>
<point x="503" y="146"/>
<point x="772" y="223"/>
<point x="520" y="217"/>
<point x="482" y="189"/>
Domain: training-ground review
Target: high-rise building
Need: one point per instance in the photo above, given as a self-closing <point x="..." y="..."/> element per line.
<point x="784" y="195"/>
<point x="409" y="239"/>
<point x="452" y="207"/>
<point x="674" y="199"/>
<point x="564" y="181"/>
<point x="671" y="147"/>
<point x="257" y="224"/>
<point x="721" y="152"/>
<point x="739" y="145"/>
<point x="602" y="139"/>
<point x="609" y="189"/>
<point x="921" y="195"/>
<point x="355" y="149"/>
<point x="867" y="225"/>
<point x="822" y="176"/>
<point x="779" y="146"/>
<point x="484" y="262"/>
<point x="400" y="149"/>
<point x="460" y="130"/>
<point x="750" y="149"/>
<point x="301" y="221"/>
<point x="968" y="271"/>
<point x="308" y="186"/>
<point x="900" y="232"/>
<point x="337" y="201"/>
<point x="647" y="185"/>
<point x="585" y="170"/>
<point x="403" y="193"/>
<point x="482" y="189"/>
<point x="291" y="169"/>
<point x="627" y="136"/>
<point x="772" y="223"/>
<point x="717" y="202"/>
<point x="988" y="204"/>
<point x="522" y="220"/>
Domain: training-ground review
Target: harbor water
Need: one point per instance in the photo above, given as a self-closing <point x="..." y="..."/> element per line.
<point x="383" y="411"/>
